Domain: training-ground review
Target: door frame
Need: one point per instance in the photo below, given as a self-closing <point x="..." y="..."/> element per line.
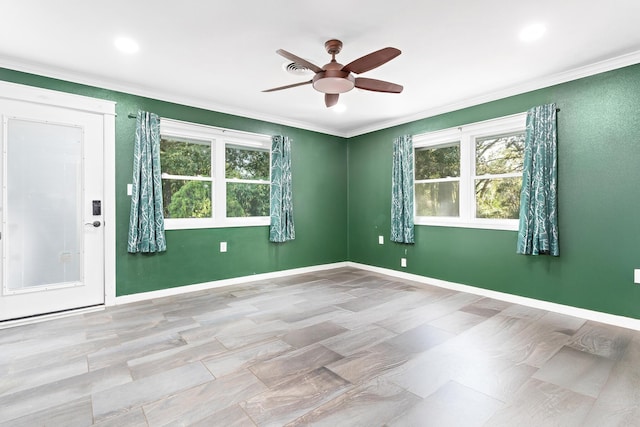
<point x="107" y="109"/>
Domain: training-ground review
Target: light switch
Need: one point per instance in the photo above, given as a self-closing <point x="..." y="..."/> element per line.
<point x="381" y="240"/>
<point x="129" y="189"/>
<point x="223" y="246"/>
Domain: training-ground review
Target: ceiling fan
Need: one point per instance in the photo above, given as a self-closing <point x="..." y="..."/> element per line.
<point x="333" y="78"/>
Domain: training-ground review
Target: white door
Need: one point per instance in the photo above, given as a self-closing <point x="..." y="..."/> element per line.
<point x="51" y="209"/>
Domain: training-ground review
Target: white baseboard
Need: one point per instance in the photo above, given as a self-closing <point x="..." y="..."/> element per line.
<point x="611" y="319"/>
<point x="125" y="299"/>
<point x="597" y="316"/>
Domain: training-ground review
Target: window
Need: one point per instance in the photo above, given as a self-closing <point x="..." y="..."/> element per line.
<point x="213" y="177"/>
<point x="437" y="180"/>
<point x="470" y="176"/>
<point x="498" y="175"/>
<point x="186" y="178"/>
<point x="247" y="177"/>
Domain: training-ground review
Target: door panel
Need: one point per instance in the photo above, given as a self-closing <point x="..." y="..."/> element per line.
<point x="52" y="171"/>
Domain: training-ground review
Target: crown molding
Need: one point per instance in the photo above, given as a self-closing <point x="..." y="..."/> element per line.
<point x="117" y="86"/>
<point x="531" y="85"/>
<point x="545" y="81"/>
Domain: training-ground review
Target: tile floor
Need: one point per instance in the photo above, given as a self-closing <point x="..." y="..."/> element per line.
<point x="338" y="348"/>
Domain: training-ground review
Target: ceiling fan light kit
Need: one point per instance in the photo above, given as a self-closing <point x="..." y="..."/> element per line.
<point x="331" y="81"/>
<point x="333" y="78"/>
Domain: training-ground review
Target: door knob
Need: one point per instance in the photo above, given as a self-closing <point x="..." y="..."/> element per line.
<point x="94" y="223"/>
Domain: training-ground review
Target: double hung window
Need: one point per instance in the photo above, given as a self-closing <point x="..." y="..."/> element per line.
<point x="213" y="177"/>
<point x="470" y="176"/>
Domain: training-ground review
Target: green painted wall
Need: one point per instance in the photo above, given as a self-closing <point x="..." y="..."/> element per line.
<point x="599" y="203"/>
<point x="319" y="168"/>
<point x="342" y="203"/>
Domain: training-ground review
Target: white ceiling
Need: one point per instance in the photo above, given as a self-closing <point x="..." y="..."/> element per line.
<point x="220" y="55"/>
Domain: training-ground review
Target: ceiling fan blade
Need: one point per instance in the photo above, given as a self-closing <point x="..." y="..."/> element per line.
<point x="331" y="99"/>
<point x="377" y="85"/>
<point x="287" y="86"/>
<point x="372" y="60"/>
<point x="298" y="60"/>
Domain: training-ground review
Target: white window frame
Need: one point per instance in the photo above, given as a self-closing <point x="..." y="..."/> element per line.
<point x="466" y="135"/>
<point x="218" y="138"/>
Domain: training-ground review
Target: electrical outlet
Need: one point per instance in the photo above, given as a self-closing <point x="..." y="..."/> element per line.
<point x="223" y="246"/>
<point x="129" y="189"/>
<point x="636" y="275"/>
<point x="381" y="240"/>
<point x="403" y="262"/>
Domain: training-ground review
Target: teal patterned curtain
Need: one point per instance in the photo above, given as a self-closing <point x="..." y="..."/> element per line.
<point x="146" y="223"/>
<point x="282" y="228"/>
<point x="538" y="232"/>
<point x="402" y="190"/>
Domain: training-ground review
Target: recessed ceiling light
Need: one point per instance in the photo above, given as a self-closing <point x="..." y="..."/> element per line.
<point x="532" y="32"/>
<point x="339" y="108"/>
<point x="126" y="45"/>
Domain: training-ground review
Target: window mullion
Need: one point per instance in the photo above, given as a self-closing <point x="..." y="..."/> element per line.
<point x="219" y="186"/>
<point x="499" y="175"/>
<point x="185" y="177"/>
<point x="247" y="181"/>
<point x="473" y="203"/>
<point x="447" y="179"/>
<point x="466" y="183"/>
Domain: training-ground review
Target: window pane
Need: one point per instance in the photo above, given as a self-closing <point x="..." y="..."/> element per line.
<point x="247" y="199"/>
<point x="438" y="199"/>
<point x="499" y="154"/>
<point x="186" y="158"/>
<point x="498" y="198"/>
<point x="44" y="204"/>
<point x="440" y="162"/>
<point x="246" y="163"/>
<point x="186" y="199"/>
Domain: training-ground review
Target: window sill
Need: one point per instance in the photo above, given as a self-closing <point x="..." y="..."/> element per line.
<point x="508" y="225"/>
<point x="197" y="223"/>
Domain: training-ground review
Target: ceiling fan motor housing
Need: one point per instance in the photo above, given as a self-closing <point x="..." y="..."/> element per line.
<point x="333" y="81"/>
